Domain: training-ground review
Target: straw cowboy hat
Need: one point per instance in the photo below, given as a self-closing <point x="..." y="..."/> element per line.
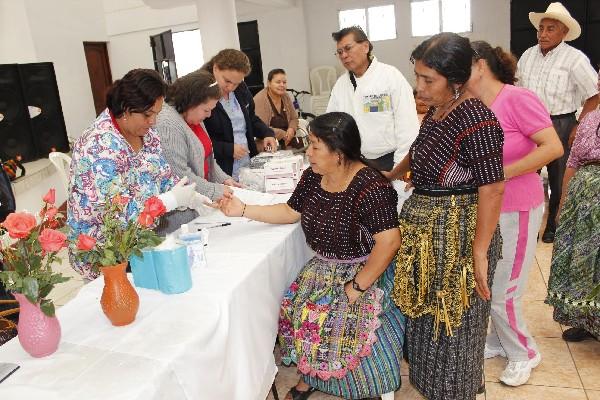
<point x="559" y="12"/>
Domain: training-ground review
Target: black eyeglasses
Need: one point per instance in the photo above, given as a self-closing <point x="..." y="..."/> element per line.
<point x="345" y="49"/>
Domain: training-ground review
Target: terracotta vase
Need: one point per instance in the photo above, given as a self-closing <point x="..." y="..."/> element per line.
<point x="120" y="301"/>
<point x="38" y="334"/>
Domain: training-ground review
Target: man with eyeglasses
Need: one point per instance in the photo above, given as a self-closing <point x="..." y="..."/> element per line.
<point x="378" y="97"/>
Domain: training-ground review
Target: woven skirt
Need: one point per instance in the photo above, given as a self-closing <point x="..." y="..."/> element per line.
<point x="575" y="267"/>
<point x="434" y="288"/>
<point x="351" y="351"/>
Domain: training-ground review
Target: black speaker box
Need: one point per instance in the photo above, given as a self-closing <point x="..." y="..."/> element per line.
<point x="23" y="85"/>
<point x="16" y="136"/>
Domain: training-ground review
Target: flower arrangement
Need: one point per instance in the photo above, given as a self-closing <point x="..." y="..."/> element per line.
<point x="121" y="241"/>
<point x="29" y="249"/>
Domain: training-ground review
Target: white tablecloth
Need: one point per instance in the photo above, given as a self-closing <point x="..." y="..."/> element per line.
<point x="213" y="342"/>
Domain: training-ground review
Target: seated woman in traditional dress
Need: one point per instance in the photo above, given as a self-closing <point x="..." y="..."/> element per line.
<point x="575" y="266"/>
<point x="274" y="107"/>
<point x="120" y="154"/>
<point x="530" y="142"/>
<point x="186" y="145"/>
<point x="337" y="321"/>
<point x="450" y="235"/>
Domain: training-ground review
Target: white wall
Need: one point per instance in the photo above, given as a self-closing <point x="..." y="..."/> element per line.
<point x="283" y="41"/>
<point x="490" y="19"/>
<point x="16" y="44"/>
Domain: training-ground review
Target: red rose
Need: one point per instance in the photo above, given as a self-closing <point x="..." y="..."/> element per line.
<point x="155" y="207"/>
<point x="85" y="242"/>
<point x="19" y="224"/>
<point x="50" y="197"/>
<point x="145" y="219"/>
<point x="52" y="240"/>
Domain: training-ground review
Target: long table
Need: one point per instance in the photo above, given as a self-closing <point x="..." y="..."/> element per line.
<point x="213" y="342"/>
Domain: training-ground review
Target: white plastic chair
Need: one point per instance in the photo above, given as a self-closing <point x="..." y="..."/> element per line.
<point x="322" y="80"/>
<point x="62" y="163"/>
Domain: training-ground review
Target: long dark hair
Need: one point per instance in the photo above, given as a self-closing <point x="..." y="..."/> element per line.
<point x="339" y="131"/>
<point x="136" y="92"/>
<point x="449" y="54"/>
<point x="193" y="89"/>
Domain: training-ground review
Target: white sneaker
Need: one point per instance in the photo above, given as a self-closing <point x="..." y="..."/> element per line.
<point x="517" y="373"/>
<point x="491" y="352"/>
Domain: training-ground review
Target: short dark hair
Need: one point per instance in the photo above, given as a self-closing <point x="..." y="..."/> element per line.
<point x="502" y="64"/>
<point x="274" y="72"/>
<point x="193" y="89"/>
<point x="231" y="59"/>
<point x="449" y="54"/>
<point x="136" y="92"/>
<point x="359" y="36"/>
<point x="339" y="132"/>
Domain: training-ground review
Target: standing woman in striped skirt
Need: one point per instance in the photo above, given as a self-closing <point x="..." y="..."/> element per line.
<point x="449" y="226"/>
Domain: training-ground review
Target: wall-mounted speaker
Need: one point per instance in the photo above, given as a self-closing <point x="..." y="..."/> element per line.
<point x="33" y="124"/>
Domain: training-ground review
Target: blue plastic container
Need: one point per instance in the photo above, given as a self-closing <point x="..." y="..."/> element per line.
<point x="144" y="273"/>
<point x="172" y="270"/>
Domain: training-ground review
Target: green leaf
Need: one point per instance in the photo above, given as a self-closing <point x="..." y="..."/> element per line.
<point x="47" y="307"/>
<point x="31" y="288"/>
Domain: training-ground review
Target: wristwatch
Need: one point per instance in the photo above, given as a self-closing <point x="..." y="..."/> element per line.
<point x="356" y="286"/>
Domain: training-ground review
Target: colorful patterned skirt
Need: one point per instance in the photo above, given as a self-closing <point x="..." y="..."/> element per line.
<point x="434" y="288"/>
<point x="575" y="267"/>
<point x="352" y="351"/>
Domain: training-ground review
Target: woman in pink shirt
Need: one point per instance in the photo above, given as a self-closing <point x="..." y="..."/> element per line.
<point x="530" y="142"/>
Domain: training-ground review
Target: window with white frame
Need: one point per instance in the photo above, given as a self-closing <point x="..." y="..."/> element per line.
<point x="429" y="17"/>
<point x="188" y="51"/>
<point x="379" y="23"/>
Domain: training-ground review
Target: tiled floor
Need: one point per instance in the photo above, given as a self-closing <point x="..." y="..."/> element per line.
<point x="569" y="371"/>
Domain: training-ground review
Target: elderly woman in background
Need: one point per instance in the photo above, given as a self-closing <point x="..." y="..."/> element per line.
<point x="575" y="266"/>
<point x="274" y="107"/>
<point x="530" y="142"/>
<point x="337" y="321"/>
<point x="120" y="154"/>
<point x="233" y="125"/>
<point x="449" y="226"/>
<point x="186" y="145"/>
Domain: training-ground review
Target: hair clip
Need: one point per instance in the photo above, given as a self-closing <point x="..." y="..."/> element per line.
<point x="213" y="84"/>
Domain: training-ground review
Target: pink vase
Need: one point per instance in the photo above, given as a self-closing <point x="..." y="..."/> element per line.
<point x="38" y="334"/>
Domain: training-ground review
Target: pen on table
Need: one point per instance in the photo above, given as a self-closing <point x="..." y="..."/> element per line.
<point x="216" y="226"/>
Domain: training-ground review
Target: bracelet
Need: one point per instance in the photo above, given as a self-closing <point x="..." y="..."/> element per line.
<point x="243" y="210"/>
<point x="356" y="286"/>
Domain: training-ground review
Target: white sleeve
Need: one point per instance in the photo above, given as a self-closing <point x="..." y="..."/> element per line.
<point x="333" y="104"/>
<point x="406" y="122"/>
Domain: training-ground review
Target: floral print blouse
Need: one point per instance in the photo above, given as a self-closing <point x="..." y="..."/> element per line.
<point x="103" y="165"/>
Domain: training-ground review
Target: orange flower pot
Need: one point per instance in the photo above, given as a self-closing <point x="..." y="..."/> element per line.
<point x="120" y="302"/>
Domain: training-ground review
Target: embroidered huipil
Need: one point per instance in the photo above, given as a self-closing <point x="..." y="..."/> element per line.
<point x="103" y="165"/>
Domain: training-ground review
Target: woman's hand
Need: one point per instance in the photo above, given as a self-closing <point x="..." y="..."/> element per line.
<point x="231" y="182"/>
<point x="289" y="135"/>
<point x="270" y="144"/>
<point x="239" y="151"/>
<point x="480" y="270"/>
<point x="231" y="206"/>
<point x="351" y="293"/>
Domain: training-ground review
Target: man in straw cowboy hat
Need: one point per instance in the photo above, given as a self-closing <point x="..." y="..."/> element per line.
<point x="564" y="79"/>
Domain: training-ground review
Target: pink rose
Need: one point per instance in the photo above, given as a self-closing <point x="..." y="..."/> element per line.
<point x="155" y="207"/>
<point x="85" y="242"/>
<point x="19" y="224"/>
<point x="52" y="240"/>
<point x="145" y="219"/>
<point x="50" y="197"/>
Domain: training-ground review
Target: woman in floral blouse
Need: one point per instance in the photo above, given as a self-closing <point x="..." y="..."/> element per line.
<point x="120" y="154"/>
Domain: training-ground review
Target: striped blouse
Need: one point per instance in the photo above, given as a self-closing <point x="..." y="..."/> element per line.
<point x="463" y="149"/>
